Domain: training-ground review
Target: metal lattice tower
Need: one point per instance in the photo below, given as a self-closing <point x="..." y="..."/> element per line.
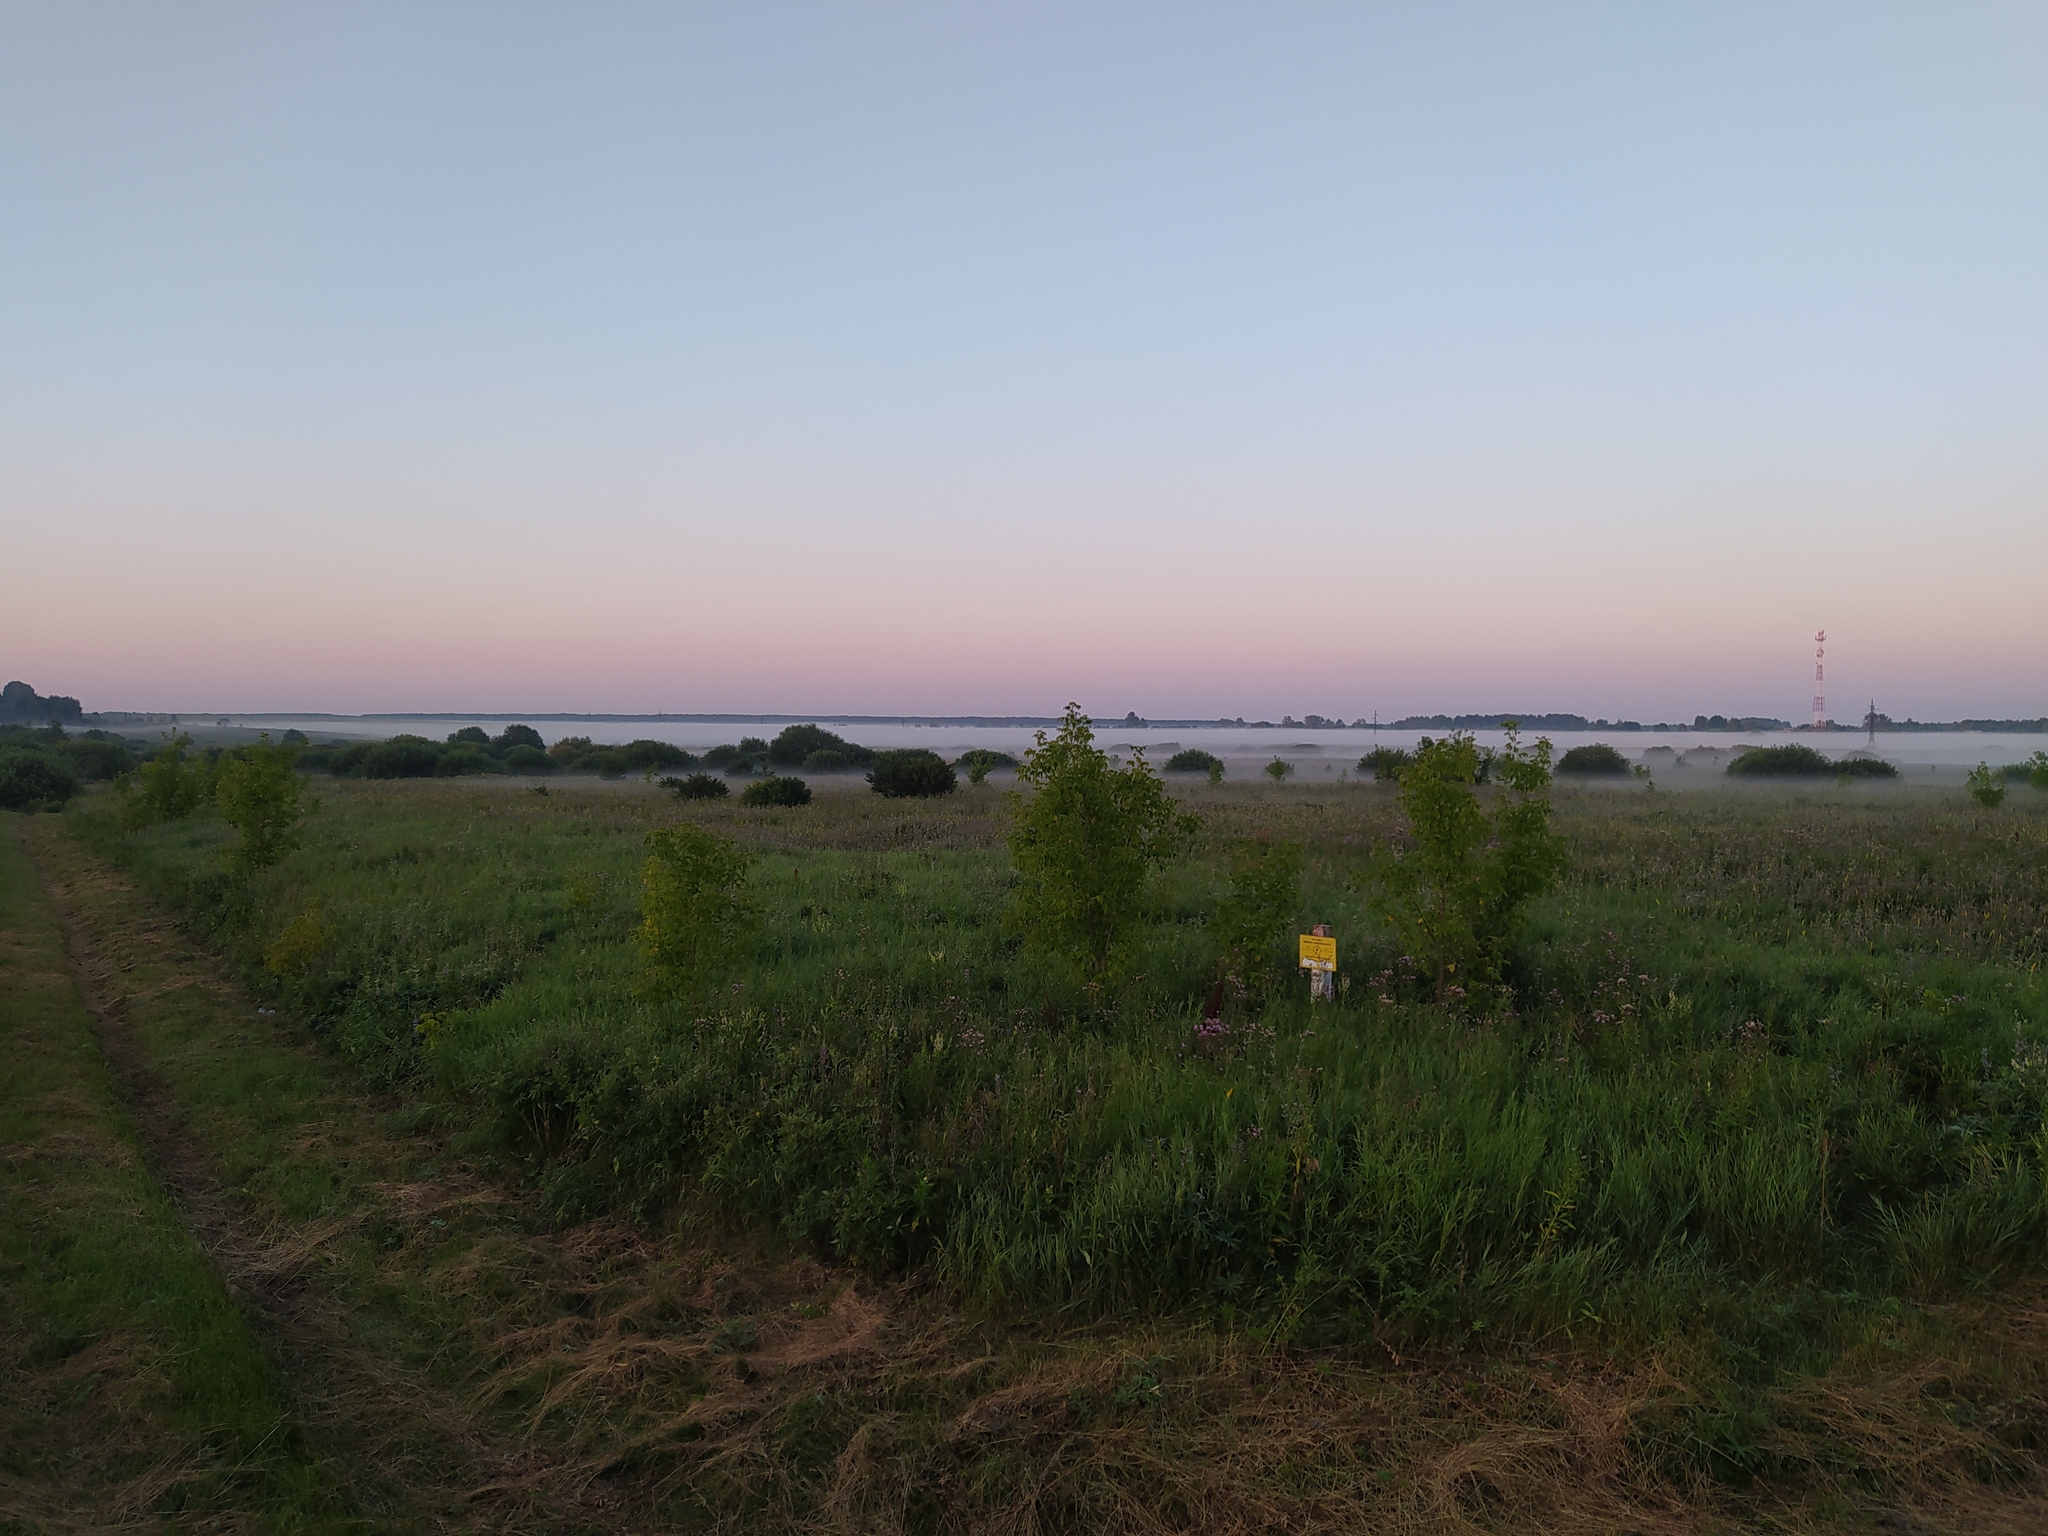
<point x="1820" y="697"/>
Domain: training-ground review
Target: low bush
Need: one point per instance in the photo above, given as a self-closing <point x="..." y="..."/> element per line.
<point x="1599" y="758"/>
<point x="260" y="795"/>
<point x="605" y="762"/>
<point x="798" y="744"/>
<point x="831" y="760"/>
<point x="1385" y="763"/>
<point x="984" y="758"/>
<point x="2033" y="771"/>
<point x="164" y="788"/>
<point x="1799" y="761"/>
<point x="569" y="748"/>
<point x="695" y="918"/>
<point x="748" y="755"/>
<point x="1278" y="769"/>
<point x="31" y="779"/>
<point x="527" y="759"/>
<point x="912" y="773"/>
<point x="514" y="737"/>
<point x="402" y="757"/>
<point x="698" y="786"/>
<point x="472" y="736"/>
<point x="775" y="790"/>
<point x="643" y="755"/>
<point x="98" y="758"/>
<point x="1985" y="787"/>
<point x="1192" y="760"/>
<point x="464" y="760"/>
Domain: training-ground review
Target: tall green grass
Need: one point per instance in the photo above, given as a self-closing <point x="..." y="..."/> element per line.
<point x="1764" y="1052"/>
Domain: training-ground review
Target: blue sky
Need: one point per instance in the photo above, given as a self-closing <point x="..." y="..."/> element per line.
<point x="1192" y="359"/>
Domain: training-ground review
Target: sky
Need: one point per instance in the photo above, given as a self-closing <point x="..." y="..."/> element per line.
<point x="912" y="358"/>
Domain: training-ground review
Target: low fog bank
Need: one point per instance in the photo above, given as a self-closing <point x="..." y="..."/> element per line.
<point x="1678" y="757"/>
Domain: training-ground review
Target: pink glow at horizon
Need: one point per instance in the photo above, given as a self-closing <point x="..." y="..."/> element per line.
<point x="1204" y="361"/>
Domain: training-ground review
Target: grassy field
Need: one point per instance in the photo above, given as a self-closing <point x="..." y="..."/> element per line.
<point x="1766" y="1107"/>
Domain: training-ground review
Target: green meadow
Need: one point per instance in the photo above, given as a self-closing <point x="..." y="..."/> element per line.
<point x="1762" y="1061"/>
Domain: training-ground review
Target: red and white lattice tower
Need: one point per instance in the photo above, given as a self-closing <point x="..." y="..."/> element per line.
<point x="1820" y="697"/>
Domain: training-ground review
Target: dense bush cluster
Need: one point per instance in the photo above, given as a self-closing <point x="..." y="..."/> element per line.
<point x="776" y="790"/>
<point x="42" y="769"/>
<point x="518" y="749"/>
<point x="820" y="750"/>
<point x="1597" y="759"/>
<point x="698" y="786"/>
<point x="912" y="773"/>
<point x="1797" y="760"/>
<point x="1385" y="763"/>
<point x="1193" y="760"/>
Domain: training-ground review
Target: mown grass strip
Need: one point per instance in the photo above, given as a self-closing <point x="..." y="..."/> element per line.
<point x="131" y="1388"/>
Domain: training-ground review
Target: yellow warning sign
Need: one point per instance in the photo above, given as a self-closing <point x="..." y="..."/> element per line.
<point x="1318" y="953"/>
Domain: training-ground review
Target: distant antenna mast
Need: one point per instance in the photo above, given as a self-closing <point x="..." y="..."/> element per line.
<point x="1871" y="721"/>
<point x="1820" y="698"/>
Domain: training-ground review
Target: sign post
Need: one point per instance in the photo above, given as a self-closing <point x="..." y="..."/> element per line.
<point x="1319" y="959"/>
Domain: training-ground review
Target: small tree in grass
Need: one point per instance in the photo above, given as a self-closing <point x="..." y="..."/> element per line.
<point x="1264" y="901"/>
<point x="1984" y="787"/>
<point x="1085" y="842"/>
<point x="695" y="918"/>
<point x="1460" y="886"/>
<point x="260" y="795"/>
<point x="164" y="788"/>
<point x="1277" y="770"/>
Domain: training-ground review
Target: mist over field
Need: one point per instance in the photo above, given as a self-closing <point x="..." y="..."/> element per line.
<point x="1159" y="1054"/>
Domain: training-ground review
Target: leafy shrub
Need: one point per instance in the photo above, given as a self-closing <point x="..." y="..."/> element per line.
<point x="984" y="758"/>
<point x="1799" y="761"/>
<point x="291" y="738"/>
<point x="303" y="941"/>
<point x="1085" y="843"/>
<point x="1277" y="770"/>
<point x="1458" y="890"/>
<point x="402" y="757"/>
<point x="1193" y="760"/>
<point x="2033" y="771"/>
<point x="470" y="735"/>
<point x="698" y="786"/>
<point x="695" y="918"/>
<point x="464" y="760"/>
<point x="605" y="762"/>
<point x="831" y="760"/>
<point x="748" y="755"/>
<point x="525" y="758"/>
<point x="1599" y="758"/>
<point x="165" y="788"/>
<point x="515" y="736"/>
<point x="258" y="791"/>
<point x="798" y="744"/>
<point x="569" y="748"/>
<point x="912" y="773"/>
<point x="1385" y="763"/>
<point x="347" y="761"/>
<point x="1264" y="901"/>
<point x="775" y="790"/>
<point x="1985" y="787"/>
<point x="31" y="779"/>
<point x="643" y="755"/>
<point x="98" y="759"/>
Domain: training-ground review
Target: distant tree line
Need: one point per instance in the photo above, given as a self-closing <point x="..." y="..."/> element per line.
<point x="22" y="705"/>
